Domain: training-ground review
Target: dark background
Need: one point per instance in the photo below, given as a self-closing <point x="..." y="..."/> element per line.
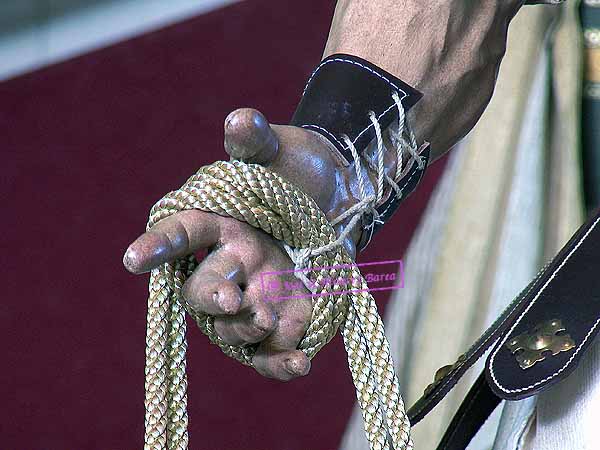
<point x="87" y="147"/>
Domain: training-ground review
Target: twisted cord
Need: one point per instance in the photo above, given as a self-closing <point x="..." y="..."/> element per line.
<point x="380" y="149"/>
<point x="255" y="195"/>
<point x="367" y="202"/>
<point x="404" y="137"/>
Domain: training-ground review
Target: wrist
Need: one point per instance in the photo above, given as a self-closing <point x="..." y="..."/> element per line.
<point x="351" y="103"/>
<point x="448" y="49"/>
<point x="341" y="94"/>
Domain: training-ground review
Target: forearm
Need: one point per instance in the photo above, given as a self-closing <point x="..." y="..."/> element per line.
<point x="450" y="50"/>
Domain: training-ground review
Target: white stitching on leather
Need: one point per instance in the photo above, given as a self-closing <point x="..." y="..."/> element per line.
<point x="371" y="226"/>
<point x="404" y="94"/>
<point x="329" y="133"/>
<point x="493" y="356"/>
<point x="378" y="117"/>
<point x="344" y="146"/>
<point x="356" y="63"/>
<point x="481" y="344"/>
<point x="403" y="186"/>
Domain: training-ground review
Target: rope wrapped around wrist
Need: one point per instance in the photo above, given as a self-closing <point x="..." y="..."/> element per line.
<point x="258" y="196"/>
<point x="350" y="102"/>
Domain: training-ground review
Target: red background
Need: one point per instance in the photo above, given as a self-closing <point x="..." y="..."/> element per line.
<point x="87" y="147"/>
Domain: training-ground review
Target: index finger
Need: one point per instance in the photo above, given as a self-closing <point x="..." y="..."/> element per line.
<point x="176" y="236"/>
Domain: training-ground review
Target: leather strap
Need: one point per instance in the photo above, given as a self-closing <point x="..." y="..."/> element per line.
<point x="475" y="409"/>
<point x="568" y="289"/>
<point x="562" y="313"/>
<point x="440" y="388"/>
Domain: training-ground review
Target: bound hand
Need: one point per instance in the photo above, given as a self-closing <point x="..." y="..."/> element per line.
<point x="227" y="283"/>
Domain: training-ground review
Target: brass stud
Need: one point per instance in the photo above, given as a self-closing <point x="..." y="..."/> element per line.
<point x="443" y="372"/>
<point x="534" y="345"/>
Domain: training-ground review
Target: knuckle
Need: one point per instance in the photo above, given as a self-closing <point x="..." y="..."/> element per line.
<point x="263" y="320"/>
<point x="227" y="333"/>
<point x="188" y="294"/>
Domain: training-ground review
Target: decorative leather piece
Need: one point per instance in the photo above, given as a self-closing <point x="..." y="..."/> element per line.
<point x="407" y="184"/>
<point x="569" y="290"/>
<point x="546" y="339"/>
<point x="436" y="392"/>
<point x="339" y="95"/>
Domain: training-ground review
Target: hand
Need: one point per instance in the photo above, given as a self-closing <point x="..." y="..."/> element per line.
<point x="227" y="283"/>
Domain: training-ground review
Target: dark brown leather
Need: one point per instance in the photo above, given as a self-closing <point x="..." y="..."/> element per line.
<point x="407" y="184"/>
<point x="428" y="401"/>
<point x="567" y="288"/>
<point x="339" y="95"/>
<point x="337" y="100"/>
<point x="477" y="406"/>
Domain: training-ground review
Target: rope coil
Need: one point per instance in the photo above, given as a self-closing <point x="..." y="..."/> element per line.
<point x="258" y="196"/>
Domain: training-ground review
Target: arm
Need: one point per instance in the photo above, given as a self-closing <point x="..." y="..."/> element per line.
<point x="450" y="50"/>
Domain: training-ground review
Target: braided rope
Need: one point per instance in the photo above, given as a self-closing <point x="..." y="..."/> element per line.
<point x="258" y="196"/>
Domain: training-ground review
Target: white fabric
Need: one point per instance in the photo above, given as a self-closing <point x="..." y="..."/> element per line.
<point x="521" y="243"/>
<point x="531" y="213"/>
<point x="568" y="414"/>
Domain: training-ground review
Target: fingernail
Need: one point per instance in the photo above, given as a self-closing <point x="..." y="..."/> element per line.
<point x="249" y="137"/>
<point x="130" y="260"/>
<point x="224" y="303"/>
<point x="291" y="367"/>
<point x="264" y="320"/>
<point x="147" y="252"/>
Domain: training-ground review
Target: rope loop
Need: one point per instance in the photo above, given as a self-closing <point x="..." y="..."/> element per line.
<point x="258" y="196"/>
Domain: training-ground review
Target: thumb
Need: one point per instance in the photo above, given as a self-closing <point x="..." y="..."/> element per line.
<point x="249" y="137"/>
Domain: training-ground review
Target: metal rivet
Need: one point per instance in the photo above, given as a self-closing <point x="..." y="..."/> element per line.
<point x="543" y="339"/>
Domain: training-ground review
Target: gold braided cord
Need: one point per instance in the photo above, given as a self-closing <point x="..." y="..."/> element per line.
<point x="258" y="196"/>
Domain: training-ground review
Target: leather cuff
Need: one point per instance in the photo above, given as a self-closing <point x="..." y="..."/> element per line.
<point x="339" y="95"/>
<point x="337" y="100"/>
<point x="408" y="183"/>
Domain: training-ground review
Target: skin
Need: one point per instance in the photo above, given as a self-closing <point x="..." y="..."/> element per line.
<point x="450" y="50"/>
<point x="239" y="253"/>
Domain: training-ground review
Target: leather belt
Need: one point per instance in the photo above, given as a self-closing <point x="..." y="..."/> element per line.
<point x="539" y="339"/>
